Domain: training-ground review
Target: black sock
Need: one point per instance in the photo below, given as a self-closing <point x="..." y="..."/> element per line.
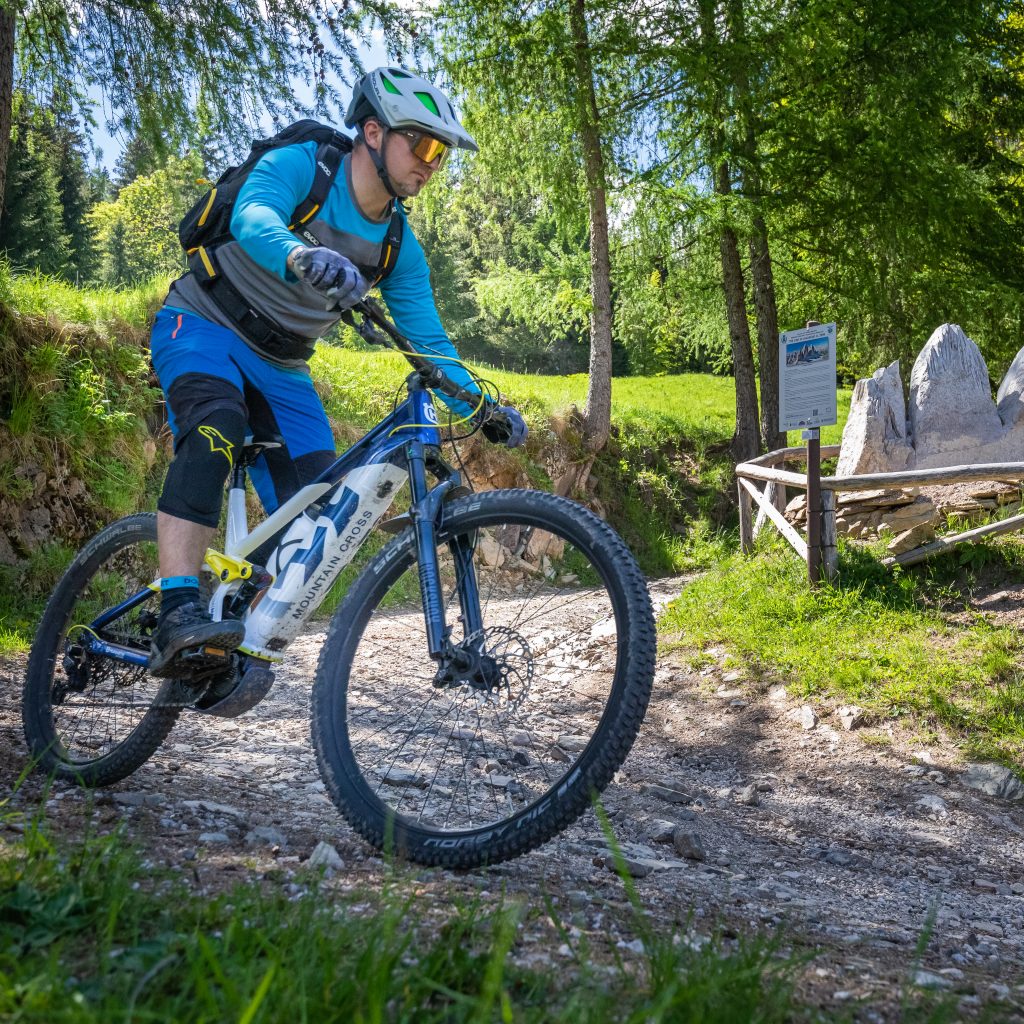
<point x="176" y="591"/>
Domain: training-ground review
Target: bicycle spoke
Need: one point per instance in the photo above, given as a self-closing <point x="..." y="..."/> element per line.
<point x="475" y="757"/>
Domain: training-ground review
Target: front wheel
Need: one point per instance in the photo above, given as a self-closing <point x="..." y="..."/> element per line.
<point x="466" y="768"/>
<point x="90" y="718"/>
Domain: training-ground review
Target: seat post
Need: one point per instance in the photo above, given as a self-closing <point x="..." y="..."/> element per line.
<point x="237" y="527"/>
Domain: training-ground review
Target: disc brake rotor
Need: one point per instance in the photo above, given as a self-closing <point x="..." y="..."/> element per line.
<point x="504" y="666"/>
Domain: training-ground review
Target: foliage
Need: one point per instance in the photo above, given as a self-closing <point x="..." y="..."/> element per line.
<point x="32" y="226"/>
<point x="49" y="189"/>
<point x="151" y="61"/>
<point x="75" y="400"/>
<point x="899" y="188"/>
<point x="137" y="232"/>
<point x="510" y="286"/>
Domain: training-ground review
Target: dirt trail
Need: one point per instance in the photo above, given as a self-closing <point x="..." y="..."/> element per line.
<point x="853" y="840"/>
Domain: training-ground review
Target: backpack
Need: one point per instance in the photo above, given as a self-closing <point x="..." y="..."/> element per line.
<point x="208" y="223"/>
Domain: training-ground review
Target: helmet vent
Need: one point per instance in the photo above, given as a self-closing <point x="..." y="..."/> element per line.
<point x="390" y="86"/>
<point x="428" y="101"/>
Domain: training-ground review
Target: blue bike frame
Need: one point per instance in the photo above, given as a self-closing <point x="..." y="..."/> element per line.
<point x="403" y="437"/>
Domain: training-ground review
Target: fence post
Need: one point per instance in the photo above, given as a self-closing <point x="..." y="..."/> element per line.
<point x="746" y="520"/>
<point x="813" y="439"/>
<point x="829" y="551"/>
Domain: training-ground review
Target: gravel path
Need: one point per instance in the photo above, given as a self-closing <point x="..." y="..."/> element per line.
<point x="738" y="809"/>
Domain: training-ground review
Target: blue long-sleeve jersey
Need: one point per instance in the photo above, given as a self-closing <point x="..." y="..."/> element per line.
<point x="255" y="261"/>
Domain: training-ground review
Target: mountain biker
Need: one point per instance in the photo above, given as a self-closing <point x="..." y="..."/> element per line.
<point x="219" y="381"/>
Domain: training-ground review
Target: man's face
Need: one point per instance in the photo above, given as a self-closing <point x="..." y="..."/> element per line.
<point x="407" y="171"/>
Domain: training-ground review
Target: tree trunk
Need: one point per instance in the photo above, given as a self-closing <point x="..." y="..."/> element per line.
<point x="767" y="334"/>
<point x="746" y="442"/>
<point x="762" y="279"/>
<point x="598" y="411"/>
<point x="6" y="88"/>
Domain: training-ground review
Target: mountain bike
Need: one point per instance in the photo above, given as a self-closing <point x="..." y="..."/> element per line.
<point x="482" y="679"/>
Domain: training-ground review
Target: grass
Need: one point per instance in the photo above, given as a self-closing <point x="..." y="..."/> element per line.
<point x="103" y="309"/>
<point x="664" y="481"/>
<point x="24" y="590"/>
<point x="90" y="931"/>
<point x="75" y="401"/>
<point x="903" y="645"/>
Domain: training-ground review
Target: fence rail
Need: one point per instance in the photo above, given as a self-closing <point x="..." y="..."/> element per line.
<point x="822" y="557"/>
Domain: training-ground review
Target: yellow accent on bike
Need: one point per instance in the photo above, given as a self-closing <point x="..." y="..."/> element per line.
<point x="218" y="442"/>
<point x="88" y="629"/>
<point x="462" y="419"/>
<point x="226" y="567"/>
<point x="271" y="659"/>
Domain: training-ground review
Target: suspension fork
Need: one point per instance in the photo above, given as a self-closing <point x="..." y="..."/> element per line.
<point x="426" y="504"/>
<point x="425" y="514"/>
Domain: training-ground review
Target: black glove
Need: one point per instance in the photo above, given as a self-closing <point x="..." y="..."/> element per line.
<point x="501" y="424"/>
<point x="331" y="273"/>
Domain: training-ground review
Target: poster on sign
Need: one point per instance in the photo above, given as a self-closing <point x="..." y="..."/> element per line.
<point x="807" y="378"/>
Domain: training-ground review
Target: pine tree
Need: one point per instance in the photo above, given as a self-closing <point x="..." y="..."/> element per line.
<point x="76" y="196"/>
<point x="139" y="157"/>
<point x="32" y="218"/>
<point x="116" y="270"/>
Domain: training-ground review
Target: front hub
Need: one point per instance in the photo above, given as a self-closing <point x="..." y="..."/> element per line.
<point x="496" y="662"/>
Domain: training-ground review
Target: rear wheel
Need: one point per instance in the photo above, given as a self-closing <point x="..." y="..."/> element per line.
<point x="462" y="768"/>
<point x="88" y="717"/>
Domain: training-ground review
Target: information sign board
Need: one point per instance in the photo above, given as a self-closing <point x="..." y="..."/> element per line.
<point x="807" y="378"/>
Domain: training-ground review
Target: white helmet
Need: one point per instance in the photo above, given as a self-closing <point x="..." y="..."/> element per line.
<point x="401" y="99"/>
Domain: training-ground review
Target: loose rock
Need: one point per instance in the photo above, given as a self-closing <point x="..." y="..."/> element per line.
<point x="688" y="844"/>
<point x="933" y="805"/>
<point x="326" y="856"/>
<point x="265" y="835"/>
<point x="994" y="780"/>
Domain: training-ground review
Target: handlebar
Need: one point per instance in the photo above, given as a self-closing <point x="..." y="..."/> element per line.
<point x="430" y="373"/>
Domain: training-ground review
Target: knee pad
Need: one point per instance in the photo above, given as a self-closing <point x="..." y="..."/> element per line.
<point x="194" y="486"/>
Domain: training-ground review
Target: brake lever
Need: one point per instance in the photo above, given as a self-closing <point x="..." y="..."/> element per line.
<point x="364" y="326"/>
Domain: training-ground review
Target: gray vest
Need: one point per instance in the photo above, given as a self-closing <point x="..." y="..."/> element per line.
<point x="294" y="306"/>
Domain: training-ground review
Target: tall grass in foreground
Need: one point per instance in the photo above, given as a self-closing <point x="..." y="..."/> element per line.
<point x="89" y="932"/>
<point x="896" y="643"/>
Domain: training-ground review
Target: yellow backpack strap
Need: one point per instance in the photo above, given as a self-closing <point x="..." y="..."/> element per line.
<point x="390" y="246"/>
<point x="328" y="160"/>
<point x="203" y="263"/>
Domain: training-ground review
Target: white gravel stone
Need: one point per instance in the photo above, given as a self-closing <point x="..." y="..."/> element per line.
<point x="325" y="855"/>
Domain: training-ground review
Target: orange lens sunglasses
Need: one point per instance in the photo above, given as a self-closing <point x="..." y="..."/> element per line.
<point x="426" y="147"/>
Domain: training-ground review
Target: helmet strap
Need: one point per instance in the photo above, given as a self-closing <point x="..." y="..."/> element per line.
<point x="377" y="156"/>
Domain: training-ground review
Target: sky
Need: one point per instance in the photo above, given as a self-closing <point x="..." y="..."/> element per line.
<point x="371" y="53"/>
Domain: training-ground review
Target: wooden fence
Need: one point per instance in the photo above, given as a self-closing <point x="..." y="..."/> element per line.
<point x="818" y="548"/>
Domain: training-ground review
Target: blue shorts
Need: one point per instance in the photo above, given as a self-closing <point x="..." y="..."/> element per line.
<point x="202" y="365"/>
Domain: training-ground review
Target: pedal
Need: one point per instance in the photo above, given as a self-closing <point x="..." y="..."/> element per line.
<point x="202" y="662"/>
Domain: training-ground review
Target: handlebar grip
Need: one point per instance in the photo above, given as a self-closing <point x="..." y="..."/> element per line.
<point x="496" y="425"/>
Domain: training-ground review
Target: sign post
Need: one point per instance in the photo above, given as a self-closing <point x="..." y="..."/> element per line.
<point x="807" y="401"/>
